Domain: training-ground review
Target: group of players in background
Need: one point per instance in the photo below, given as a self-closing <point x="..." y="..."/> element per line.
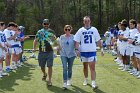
<point x="11" y="47"/>
<point x="125" y="38"/>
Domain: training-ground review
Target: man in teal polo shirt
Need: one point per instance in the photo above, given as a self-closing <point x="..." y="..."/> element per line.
<point x="45" y="37"/>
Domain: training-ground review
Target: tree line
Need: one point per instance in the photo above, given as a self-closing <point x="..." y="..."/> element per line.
<point x="103" y="13"/>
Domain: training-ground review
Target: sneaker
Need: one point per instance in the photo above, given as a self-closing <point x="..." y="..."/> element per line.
<point x="138" y="77"/>
<point x="94" y="86"/>
<point x="137" y="74"/>
<point x="33" y="55"/>
<point x="4" y="74"/>
<point x="85" y="82"/>
<point x="68" y="82"/>
<point x="0" y="76"/>
<point x="19" y="65"/>
<point x="125" y="69"/>
<point x="134" y="73"/>
<point x="121" y="68"/>
<point x="121" y="65"/>
<point x="116" y="60"/>
<point x="7" y="70"/>
<point x="14" y="67"/>
<point x="130" y="71"/>
<point x="65" y="85"/>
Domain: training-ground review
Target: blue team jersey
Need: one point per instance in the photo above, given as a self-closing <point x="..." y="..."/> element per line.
<point x="116" y="33"/>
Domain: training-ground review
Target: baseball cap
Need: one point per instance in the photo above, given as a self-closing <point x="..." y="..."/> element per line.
<point x="46" y="21"/>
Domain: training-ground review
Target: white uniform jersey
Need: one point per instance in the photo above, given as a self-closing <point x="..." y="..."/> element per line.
<point x="2" y="38"/>
<point x="132" y="33"/>
<point x="8" y="34"/>
<point x="2" y="41"/>
<point x="108" y="37"/>
<point x="125" y="34"/>
<point x="118" y="41"/>
<point x="87" y="39"/>
<point x="137" y="38"/>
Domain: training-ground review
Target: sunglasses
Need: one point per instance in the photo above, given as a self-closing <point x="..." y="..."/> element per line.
<point x="67" y="29"/>
<point x="46" y="23"/>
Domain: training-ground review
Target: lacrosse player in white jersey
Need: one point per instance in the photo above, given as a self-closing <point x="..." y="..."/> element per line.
<point x="2" y="48"/>
<point x="85" y="46"/>
<point x="108" y="40"/>
<point x="9" y="41"/>
<point x="123" y="37"/>
<point x="119" y="58"/>
<point x="131" y="48"/>
<point x="16" y="48"/>
<point x="136" y="43"/>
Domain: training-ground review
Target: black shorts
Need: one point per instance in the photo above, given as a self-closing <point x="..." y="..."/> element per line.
<point x="45" y="58"/>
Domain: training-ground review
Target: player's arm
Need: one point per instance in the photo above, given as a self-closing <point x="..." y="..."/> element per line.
<point x="35" y="41"/>
<point x="77" y="48"/>
<point x="34" y="44"/>
<point x="77" y="39"/>
<point x="99" y="43"/>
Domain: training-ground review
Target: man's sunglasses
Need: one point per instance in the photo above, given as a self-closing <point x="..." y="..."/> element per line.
<point x="46" y="23"/>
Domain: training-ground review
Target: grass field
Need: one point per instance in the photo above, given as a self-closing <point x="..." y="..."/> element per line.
<point x="109" y="79"/>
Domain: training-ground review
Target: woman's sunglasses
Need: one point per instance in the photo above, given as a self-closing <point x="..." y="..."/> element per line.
<point x="67" y="29"/>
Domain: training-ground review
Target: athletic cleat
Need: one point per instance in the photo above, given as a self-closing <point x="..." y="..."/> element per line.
<point x="19" y="65"/>
<point x="4" y="74"/>
<point x="121" y="68"/>
<point x="8" y="70"/>
<point x="138" y="77"/>
<point x="1" y="76"/>
<point x="138" y="73"/>
<point x="14" y="67"/>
